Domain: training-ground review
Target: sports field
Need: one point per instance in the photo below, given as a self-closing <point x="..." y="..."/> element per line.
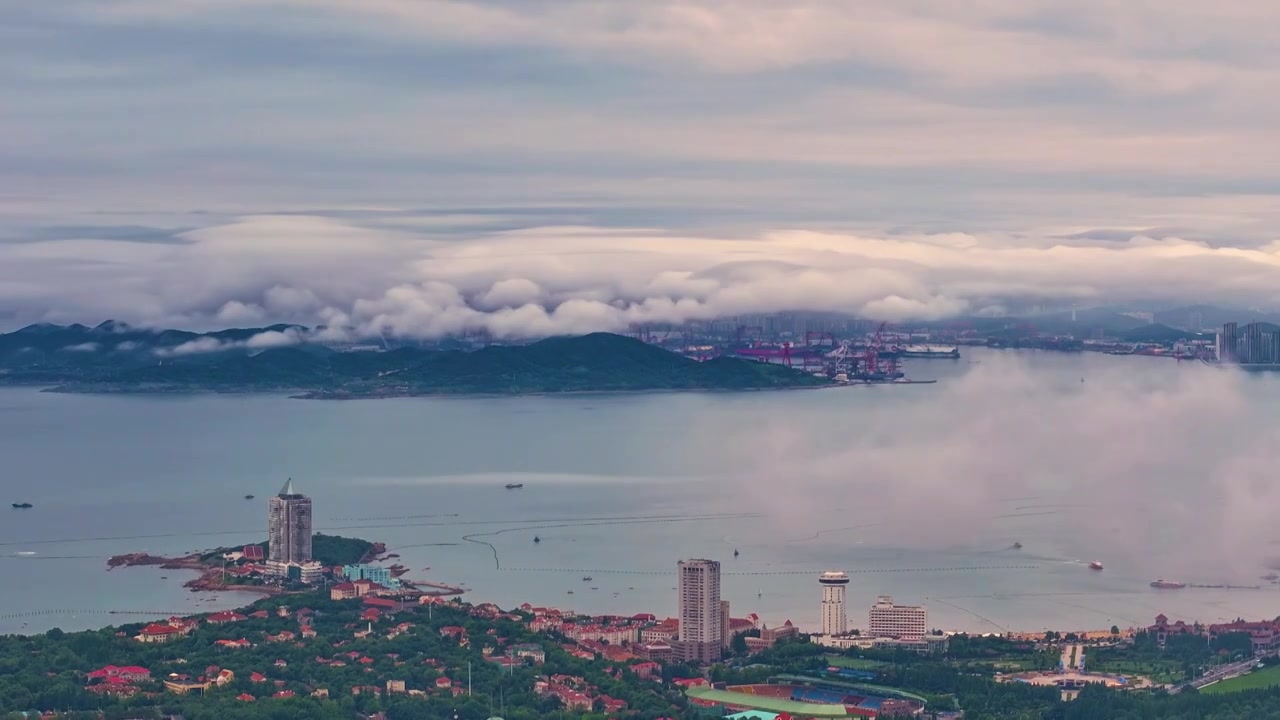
<point x="770" y="704"/>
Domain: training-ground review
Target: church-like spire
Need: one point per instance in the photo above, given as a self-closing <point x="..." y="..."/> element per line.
<point x="288" y="488"/>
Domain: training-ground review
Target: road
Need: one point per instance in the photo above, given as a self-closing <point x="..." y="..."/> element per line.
<point x="1221" y="672"/>
<point x="1073" y="658"/>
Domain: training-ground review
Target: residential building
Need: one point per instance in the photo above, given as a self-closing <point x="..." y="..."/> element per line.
<point x="700" y="635"/>
<point x="162" y="632"/>
<point x="923" y="645"/>
<point x="530" y="650"/>
<point x="395" y="687"/>
<point x="885" y="619"/>
<point x="288" y="527"/>
<point x="342" y="591"/>
<point x="769" y="636"/>
<point x="221" y="618"/>
<point x="129" y="673"/>
<point x="373" y="573"/>
<point x="834" y="620"/>
<point x="726" y="625"/>
<point x="182" y="686"/>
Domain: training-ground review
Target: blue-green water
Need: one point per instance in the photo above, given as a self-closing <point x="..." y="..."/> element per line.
<point x="1154" y="468"/>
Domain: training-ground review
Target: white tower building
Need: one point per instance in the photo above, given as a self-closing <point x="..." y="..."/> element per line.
<point x="834" y="620"/>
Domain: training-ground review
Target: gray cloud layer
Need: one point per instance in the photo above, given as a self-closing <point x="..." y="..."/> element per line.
<point x="387" y="274"/>
<point x="418" y="165"/>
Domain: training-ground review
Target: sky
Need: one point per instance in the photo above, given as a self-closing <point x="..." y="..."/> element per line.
<point x="544" y="166"/>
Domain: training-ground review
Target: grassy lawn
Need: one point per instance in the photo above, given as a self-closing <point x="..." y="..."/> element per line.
<point x="855" y="663"/>
<point x="1266" y="677"/>
<point x="1159" y="672"/>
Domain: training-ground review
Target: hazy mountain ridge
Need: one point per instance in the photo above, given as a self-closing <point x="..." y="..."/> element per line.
<point x="114" y="359"/>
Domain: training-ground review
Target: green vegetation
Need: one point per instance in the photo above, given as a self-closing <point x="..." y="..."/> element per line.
<point x="1264" y="678"/>
<point x="334" y="550"/>
<point x="47" y="672"/>
<point x="600" y="362"/>
<point x="857" y="663"/>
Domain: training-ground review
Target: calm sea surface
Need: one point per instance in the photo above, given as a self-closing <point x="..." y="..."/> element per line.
<point x="1154" y="468"/>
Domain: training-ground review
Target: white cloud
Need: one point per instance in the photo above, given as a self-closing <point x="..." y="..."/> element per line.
<point x="543" y="281"/>
<point x="193" y="347"/>
<point x="85" y="347"/>
<point x="1117" y="468"/>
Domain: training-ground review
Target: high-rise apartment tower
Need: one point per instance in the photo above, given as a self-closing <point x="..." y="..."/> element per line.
<point x="701" y="621"/>
<point x="289" y="526"/>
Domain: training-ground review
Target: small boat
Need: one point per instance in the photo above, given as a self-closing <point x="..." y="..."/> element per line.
<point x="1163" y="584"/>
<point x="570" y="592"/>
<point x="1017" y="546"/>
<point x="248" y="497"/>
<point x="537" y="539"/>
<point x="1095" y="565"/>
<point x="22" y="506"/>
<point x="735" y="552"/>
<point x="586" y="578"/>
<point x="514" y="486"/>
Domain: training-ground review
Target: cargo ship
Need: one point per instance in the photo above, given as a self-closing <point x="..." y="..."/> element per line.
<point x="1167" y="585"/>
<point x="1095" y="565"/>
<point x="928" y="351"/>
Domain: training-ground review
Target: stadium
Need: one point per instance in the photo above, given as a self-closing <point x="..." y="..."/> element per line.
<point x="805" y="697"/>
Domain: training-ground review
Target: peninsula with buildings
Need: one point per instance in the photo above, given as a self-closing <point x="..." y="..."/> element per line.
<point x="293" y="559"/>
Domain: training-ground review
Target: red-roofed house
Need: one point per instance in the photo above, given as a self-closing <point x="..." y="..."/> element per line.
<point x="342" y="591"/>
<point x="245" y="697"/>
<point x="443" y="683"/>
<point x="259" y="614"/>
<point x="646" y="669"/>
<point x="257" y="677"/>
<point x="386" y="603"/>
<point x="241" y="643"/>
<point x="220" y="618"/>
<point x="159" y="632"/>
<point x="129" y="673"/>
<point x="284" y="694"/>
<point x="612" y="705"/>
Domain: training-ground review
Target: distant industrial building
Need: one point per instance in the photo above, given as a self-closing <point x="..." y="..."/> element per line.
<point x="907" y="622"/>
<point x="701" y="637"/>
<point x="834" y="620"/>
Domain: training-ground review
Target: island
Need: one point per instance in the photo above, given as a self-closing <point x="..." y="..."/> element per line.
<point x="237" y="568"/>
<point x="77" y="359"/>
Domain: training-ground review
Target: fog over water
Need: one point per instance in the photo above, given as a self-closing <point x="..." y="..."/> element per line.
<point x="1156" y="469"/>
